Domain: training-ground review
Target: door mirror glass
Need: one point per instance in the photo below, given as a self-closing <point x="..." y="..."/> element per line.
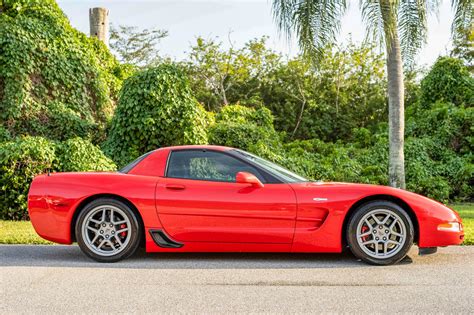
<point x="248" y="178"/>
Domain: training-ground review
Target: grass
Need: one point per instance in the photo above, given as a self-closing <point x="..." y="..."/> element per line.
<point x="22" y="232"/>
<point x="466" y="211"/>
<point x="19" y="232"/>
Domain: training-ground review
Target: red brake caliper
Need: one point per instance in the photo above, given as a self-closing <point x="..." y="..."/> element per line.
<point x="364" y="229"/>
<point x="122" y="226"/>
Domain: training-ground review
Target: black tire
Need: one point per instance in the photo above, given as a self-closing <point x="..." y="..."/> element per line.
<point x="132" y="241"/>
<point x="365" y="252"/>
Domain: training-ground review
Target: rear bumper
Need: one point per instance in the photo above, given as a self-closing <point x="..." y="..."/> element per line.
<point x="50" y="216"/>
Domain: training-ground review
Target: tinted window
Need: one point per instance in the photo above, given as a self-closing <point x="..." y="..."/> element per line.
<point x="207" y="165"/>
<point x="274" y="169"/>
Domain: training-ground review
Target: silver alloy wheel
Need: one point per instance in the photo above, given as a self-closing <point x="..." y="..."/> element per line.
<point x="381" y="233"/>
<point x="106" y="230"/>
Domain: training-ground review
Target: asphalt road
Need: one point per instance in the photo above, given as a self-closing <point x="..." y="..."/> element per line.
<point x="59" y="279"/>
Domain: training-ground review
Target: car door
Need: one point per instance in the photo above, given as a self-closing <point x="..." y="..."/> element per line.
<point x="198" y="200"/>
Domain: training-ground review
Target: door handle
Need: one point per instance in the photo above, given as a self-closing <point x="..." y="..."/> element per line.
<point x="175" y="187"/>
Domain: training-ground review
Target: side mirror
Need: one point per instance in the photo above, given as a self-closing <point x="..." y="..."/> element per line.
<point x="248" y="178"/>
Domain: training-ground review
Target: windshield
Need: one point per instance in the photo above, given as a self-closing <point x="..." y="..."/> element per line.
<point x="274" y="169"/>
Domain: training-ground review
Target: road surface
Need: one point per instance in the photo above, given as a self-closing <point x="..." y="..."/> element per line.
<point x="60" y="279"/>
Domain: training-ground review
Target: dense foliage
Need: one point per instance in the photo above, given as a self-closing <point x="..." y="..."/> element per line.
<point x="26" y="157"/>
<point x="448" y="81"/>
<point x="243" y="127"/>
<point x="156" y="108"/>
<point x="69" y="97"/>
<point x="55" y="82"/>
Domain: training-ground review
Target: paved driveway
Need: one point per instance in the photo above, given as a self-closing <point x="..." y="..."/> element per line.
<point x="45" y="279"/>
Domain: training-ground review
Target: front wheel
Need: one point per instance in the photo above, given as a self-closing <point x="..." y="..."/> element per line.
<point x="107" y="230"/>
<point x="380" y="233"/>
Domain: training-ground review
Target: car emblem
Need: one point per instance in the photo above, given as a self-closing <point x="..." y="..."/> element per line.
<point x="320" y="199"/>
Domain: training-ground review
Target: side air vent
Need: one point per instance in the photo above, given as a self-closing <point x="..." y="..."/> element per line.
<point x="163" y="240"/>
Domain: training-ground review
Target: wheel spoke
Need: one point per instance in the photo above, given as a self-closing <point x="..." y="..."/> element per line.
<point x="369" y="242"/>
<point x="95" y="238"/>
<point x="369" y="225"/>
<point x="94" y="221"/>
<point x="93" y="230"/>
<point x="112" y="216"/>
<point x="396" y="234"/>
<point x="395" y="220"/>
<point x="386" y="219"/>
<point x="117" y="238"/>
<point x="376" y="219"/>
<point x="102" y="243"/>
<point x="366" y="234"/>
<point x="103" y="215"/>
<point x="122" y="230"/>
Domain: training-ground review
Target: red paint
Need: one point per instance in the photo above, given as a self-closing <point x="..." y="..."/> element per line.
<point x="220" y="216"/>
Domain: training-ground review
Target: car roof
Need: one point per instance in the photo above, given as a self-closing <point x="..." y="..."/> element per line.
<point x="187" y="147"/>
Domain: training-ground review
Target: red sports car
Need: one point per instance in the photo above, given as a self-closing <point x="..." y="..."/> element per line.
<point x="220" y="199"/>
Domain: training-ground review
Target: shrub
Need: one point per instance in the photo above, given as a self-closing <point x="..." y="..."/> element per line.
<point x="448" y="81"/>
<point x="21" y="160"/>
<point x="155" y="109"/>
<point x="244" y="127"/>
<point x="77" y="155"/>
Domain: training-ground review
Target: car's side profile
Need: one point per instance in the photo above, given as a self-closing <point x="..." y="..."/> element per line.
<point x="219" y="199"/>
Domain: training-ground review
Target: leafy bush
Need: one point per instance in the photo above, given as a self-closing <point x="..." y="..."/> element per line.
<point x="155" y="109"/>
<point x="448" y="81"/>
<point x="76" y="155"/>
<point x="21" y="160"/>
<point x="450" y="125"/>
<point x="52" y="76"/>
<point x="243" y="127"/>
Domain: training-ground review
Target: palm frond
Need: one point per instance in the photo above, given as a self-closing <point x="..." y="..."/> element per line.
<point x="372" y="17"/>
<point x="413" y="25"/>
<point x="314" y="22"/>
<point x="463" y="16"/>
<point x="380" y="17"/>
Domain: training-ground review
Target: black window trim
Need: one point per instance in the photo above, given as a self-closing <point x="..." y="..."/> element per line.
<point x="269" y="178"/>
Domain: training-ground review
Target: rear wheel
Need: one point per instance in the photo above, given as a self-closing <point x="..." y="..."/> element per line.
<point x="380" y="233"/>
<point x="107" y="230"/>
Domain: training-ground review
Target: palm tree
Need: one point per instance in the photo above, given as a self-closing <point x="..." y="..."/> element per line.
<point x="399" y="25"/>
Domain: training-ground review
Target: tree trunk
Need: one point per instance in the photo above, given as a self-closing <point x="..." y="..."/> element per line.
<point x="99" y="24"/>
<point x="396" y="114"/>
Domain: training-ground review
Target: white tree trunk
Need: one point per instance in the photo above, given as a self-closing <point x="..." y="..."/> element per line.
<point x="396" y="114"/>
<point x="99" y="24"/>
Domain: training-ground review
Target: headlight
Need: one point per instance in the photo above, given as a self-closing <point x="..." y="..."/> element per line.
<point x="450" y="226"/>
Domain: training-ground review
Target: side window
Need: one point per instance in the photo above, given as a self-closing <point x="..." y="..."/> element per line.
<point x="207" y="165"/>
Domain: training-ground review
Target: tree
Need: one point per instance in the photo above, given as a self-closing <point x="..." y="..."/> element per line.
<point x="346" y="91"/>
<point x="222" y="77"/>
<point x="134" y="46"/>
<point x="463" y="47"/>
<point x="399" y="25"/>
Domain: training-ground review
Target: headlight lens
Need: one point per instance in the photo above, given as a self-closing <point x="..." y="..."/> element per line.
<point x="450" y="226"/>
